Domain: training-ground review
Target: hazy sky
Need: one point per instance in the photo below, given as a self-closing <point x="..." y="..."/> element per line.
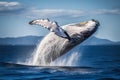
<point x="15" y="15"/>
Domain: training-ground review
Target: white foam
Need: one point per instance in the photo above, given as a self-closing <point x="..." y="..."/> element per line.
<point x="70" y="59"/>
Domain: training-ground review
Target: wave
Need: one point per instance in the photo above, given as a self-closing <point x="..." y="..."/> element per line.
<point x="72" y="69"/>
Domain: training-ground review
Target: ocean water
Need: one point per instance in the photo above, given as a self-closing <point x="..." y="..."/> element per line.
<point x="82" y="63"/>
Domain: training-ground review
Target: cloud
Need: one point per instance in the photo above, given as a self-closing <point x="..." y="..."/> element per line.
<point x="6" y="6"/>
<point x="10" y="7"/>
<point x="16" y="7"/>
<point x="63" y="13"/>
<point x="107" y="11"/>
<point x="55" y="13"/>
<point x="9" y="3"/>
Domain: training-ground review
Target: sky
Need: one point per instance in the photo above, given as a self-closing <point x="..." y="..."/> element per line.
<point x="16" y="14"/>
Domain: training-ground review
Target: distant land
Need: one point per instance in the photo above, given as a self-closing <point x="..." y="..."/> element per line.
<point x="34" y="40"/>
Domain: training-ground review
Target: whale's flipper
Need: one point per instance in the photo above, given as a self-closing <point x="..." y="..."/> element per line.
<point x="52" y="26"/>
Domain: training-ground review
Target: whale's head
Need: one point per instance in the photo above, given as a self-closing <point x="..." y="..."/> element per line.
<point x="81" y="31"/>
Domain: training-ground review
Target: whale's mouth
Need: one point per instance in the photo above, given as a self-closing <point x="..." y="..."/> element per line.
<point x="96" y="21"/>
<point x="82" y="24"/>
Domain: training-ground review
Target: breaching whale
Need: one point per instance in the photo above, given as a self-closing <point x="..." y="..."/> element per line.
<point x="57" y="43"/>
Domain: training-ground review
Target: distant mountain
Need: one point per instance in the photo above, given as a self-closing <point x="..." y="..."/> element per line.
<point x="34" y="40"/>
<point x="97" y="41"/>
<point x="28" y="40"/>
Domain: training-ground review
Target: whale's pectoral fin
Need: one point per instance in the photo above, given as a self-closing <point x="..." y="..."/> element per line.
<point x="42" y="22"/>
<point x="51" y="26"/>
<point x="46" y="23"/>
<point x="68" y="37"/>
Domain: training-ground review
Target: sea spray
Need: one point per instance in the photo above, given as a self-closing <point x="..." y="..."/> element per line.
<point x="47" y="49"/>
<point x="50" y="47"/>
<point x="69" y="59"/>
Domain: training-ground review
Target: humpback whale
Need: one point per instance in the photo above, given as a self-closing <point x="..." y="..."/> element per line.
<point x="61" y="39"/>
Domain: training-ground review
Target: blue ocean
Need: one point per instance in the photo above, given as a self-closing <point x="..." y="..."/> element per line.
<point x="97" y="62"/>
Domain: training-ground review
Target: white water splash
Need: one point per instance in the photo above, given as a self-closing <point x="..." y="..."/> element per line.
<point x="44" y="49"/>
<point x="71" y="59"/>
